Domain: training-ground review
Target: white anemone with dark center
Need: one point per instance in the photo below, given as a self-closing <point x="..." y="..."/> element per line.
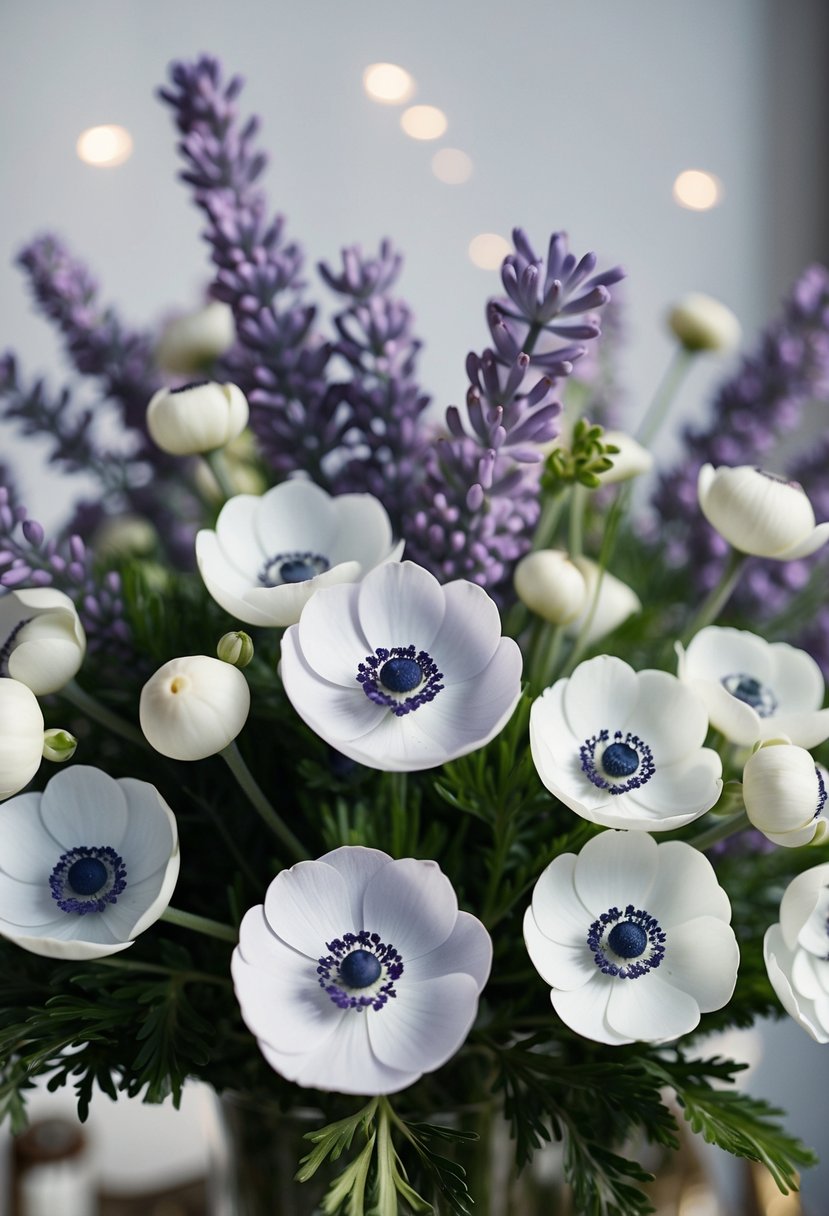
<point x="268" y="555"/>
<point x="42" y="641"/>
<point x="755" y="690"/>
<point x="399" y="672"/>
<point x="358" y="973"/>
<point x="633" y="937"/>
<point x="796" y="952"/>
<point x="625" y="748"/>
<point x="86" y="865"/>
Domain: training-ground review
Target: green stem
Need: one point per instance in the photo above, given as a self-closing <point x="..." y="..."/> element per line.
<point x="578" y="505"/>
<point x="200" y="924"/>
<point x="93" y="708"/>
<point x="658" y="409"/>
<point x="398" y="783"/>
<point x="200" y="977"/>
<point x="244" y="777"/>
<point x="721" y="831"/>
<point x="217" y="464"/>
<point x="551" y="513"/>
<point x="718" y="597"/>
<point x="545" y="657"/>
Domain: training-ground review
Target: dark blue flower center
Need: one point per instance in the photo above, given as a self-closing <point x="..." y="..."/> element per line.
<point x="390" y="675"/>
<point x="360" y="969"/>
<point x="626" y="944"/>
<point x="87" y="878"/>
<point x="292" y="568"/>
<point x="620" y="760"/>
<point x="401" y="675"/>
<point x="751" y="692"/>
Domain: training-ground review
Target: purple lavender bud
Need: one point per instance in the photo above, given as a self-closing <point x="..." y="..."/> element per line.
<point x="33" y="532"/>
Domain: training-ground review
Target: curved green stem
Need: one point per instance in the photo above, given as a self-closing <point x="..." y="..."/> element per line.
<point x="658" y="409"/>
<point x="721" y="831"/>
<point x="578" y="505"/>
<point x="93" y="708"/>
<point x="399" y="791"/>
<point x="217" y="464"/>
<point x="246" y="781"/>
<point x="718" y="597"/>
<point x="200" y="924"/>
<point x="551" y="512"/>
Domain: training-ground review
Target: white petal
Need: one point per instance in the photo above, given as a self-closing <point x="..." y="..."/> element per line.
<point x="778" y="960"/>
<point x="425" y="1024"/>
<point x="799" y="901"/>
<point x="599" y="695"/>
<point x="795" y="679"/>
<point x="465" y="716"/>
<point x="330" y="638"/>
<point x="363" y="531"/>
<point x="29" y="903"/>
<point x="151" y="835"/>
<point x="701" y="958"/>
<point x="804" y="977"/>
<point x="296" y="517"/>
<point x="84" y="806"/>
<point x="667" y="716"/>
<point x="470" y="633"/>
<point x="258" y="944"/>
<point x="615" y="869"/>
<point x="559" y="913"/>
<point x="805" y="730"/>
<point x="400" y="604"/>
<point x="226" y="584"/>
<point x="412" y="905"/>
<point x="66" y="948"/>
<point x="397" y="745"/>
<point x="716" y="652"/>
<point x="467" y="950"/>
<point x="650" y="1010"/>
<point x="142" y="903"/>
<point x="562" y="967"/>
<point x="584" y="1010"/>
<point x="287" y="1008"/>
<point x="308" y="906"/>
<point x="335" y="713"/>
<point x="685" y="887"/>
<point x="358" y="865"/>
<point x="236" y="534"/>
<point x="26" y="846"/>
<point x="344" y="1063"/>
<point x="810" y="544"/>
<point x="737" y="721"/>
<point x="686" y="789"/>
<point x="286" y="602"/>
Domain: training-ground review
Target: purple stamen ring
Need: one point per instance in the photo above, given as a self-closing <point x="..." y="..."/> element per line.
<point x="400" y="678"/>
<point x="618" y="764"/>
<point x="87" y="878"/>
<point x="360" y="971"/>
<point x="626" y="944"/>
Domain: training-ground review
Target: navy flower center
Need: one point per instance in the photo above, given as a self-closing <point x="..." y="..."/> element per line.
<point x="626" y="944"/>
<point x="625" y="763"/>
<point x="360" y="971"/>
<point x="400" y="678"/>
<point x="751" y="692"/>
<point x="87" y="878"/>
<point x="292" y="568"/>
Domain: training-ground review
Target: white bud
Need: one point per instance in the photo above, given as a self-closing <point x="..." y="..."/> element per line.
<point x="21" y="736"/>
<point x="700" y="323"/>
<point x="784" y="794"/>
<point x="58" y="745"/>
<point x="196" y="417"/>
<point x="630" y="461"/>
<point x="193" y="342"/>
<point x="550" y="585"/>
<point x="193" y="707"/>
<point x="760" y="513"/>
<point x="42" y="641"/>
<point x="615" y="604"/>
<point x="125" y="536"/>
<point x="235" y="648"/>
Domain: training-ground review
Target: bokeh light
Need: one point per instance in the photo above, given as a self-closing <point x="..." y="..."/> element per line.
<point x="104" y="147"/>
<point x="452" y="166"/>
<point x="423" y="122"/>
<point x="388" y="83"/>
<point x="697" y="190"/>
<point x="487" y="250"/>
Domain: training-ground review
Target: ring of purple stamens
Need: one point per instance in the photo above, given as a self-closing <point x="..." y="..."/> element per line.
<point x="821" y="793"/>
<point x="619" y="962"/>
<point x="294" y="567"/>
<point x="372" y="995"/>
<point x="751" y="692"/>
<point x="113" y="882"/>
<point x="388" y="678"/>
<point x="621" y="749"/>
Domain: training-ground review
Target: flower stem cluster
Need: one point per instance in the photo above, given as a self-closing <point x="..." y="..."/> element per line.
<point x="588" y="456"/>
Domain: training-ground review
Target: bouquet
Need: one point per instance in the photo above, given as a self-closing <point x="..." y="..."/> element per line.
<point x="421" y="785"/>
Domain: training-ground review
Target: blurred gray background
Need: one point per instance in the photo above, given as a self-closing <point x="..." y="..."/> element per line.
<point x="576" y="117"/>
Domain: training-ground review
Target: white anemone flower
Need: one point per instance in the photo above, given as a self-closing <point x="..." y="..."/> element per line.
<point x="86" y="865"/>
<point x="269" y="554"/>
<point x="625" y="748"/>
<point x="616" y="602"/>
<point x="21" y="736"/>
<point x="550" y="585"/>
<point x="760" y="513"/>
<point x="193" y="707"/>
<point x="754" y="689"/>
<point x="796" y="951"/>
<point x="42" y="642"/>
<point x="784" y="792"/>
<point x="399" y="672"/>
<point x="359" y="974"/>
<point x="197" y="417"/>
<point x="633" y="937"/>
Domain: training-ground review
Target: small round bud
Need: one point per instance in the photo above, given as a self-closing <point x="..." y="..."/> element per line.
<point x="193" y="707"/>
<point x="196" y="417"/>
<point x="194" y="341"/>
<point x="785" y="794"/>
<point x="550" y="585"/>
<point x="701" y="323"/>
<point x="58" y="745"/>
<point x="760" y="513"/>
<point x="235" y="648"/>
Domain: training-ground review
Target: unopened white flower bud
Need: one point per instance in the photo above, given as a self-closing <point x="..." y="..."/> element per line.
<point x="21" y="736"/>
<point x="760" y="513"/>
<point x="125" y="536"/>
<point x="550" y="585"/>
<point x="630" y="461"/>
<point x="784" y="794"/>
<point x="58" y="745"/>
<point x="42" y="642"/>
<point x="700" y="323"/>
<point x="193" y="707"/>
<point x="194" y="341"/>
<point x="196" y="417"/>
<point x="235" y="648"/>
<point x="616" y="602"/>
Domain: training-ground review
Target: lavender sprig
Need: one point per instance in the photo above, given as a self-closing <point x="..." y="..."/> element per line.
<point x="279" y="361"/>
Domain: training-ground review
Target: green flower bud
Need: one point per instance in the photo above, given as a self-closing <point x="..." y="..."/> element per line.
<point x="58" y="745"/>
<point x="235" y="648"/>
